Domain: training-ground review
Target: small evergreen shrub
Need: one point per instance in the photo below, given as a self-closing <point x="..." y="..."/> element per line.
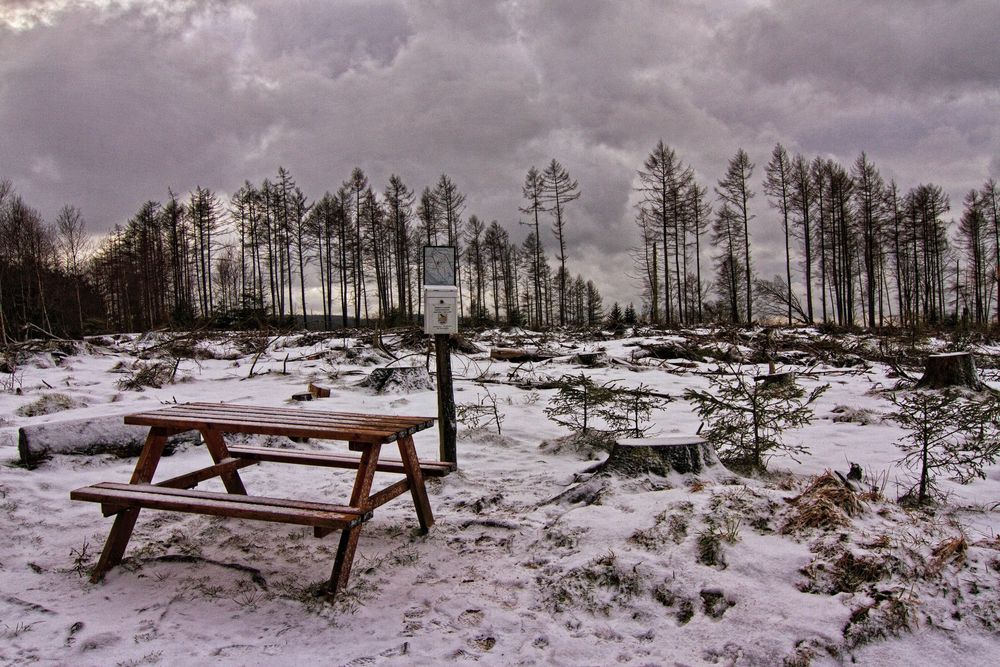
<point x="951" y="431"/>
<point x="745" y="417"/>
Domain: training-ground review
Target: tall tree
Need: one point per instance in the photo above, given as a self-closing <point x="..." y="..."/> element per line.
<point x="700" y="212"/>
<point x="72" y="242"/>
<point x="990" y="195"/>
<point x="357" y="186"/>
<point x="973" y="232"/>
<point x="734" y="189"/>
<point x="495" y="241"/>
<point x="727" y="237"/>
<point x="869" y="198"/>
<point x="203" y="212"/>
<point x="399" y="209"/>
<point x="475" y="260"/>
<point x="777" y="185"/>
<point x="450" y="205"/>
<point x="558" y="190"/>
<point x="803" y="200"/>
<point x="302" y="241"/>
<point x="533" y="191"/>
<point x="664" y="182"/>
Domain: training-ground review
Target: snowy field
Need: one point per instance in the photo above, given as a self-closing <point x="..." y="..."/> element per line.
<point x="514" y="572"/>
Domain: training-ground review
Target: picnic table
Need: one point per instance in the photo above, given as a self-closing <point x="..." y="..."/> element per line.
<point x="364" y="433"/>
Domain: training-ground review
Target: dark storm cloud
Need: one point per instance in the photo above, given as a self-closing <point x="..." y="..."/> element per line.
<point x="909" y="48"/>
<point x="107" y="104"/>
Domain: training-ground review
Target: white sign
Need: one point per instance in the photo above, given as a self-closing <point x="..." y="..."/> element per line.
<point x="440" y="310"/>
<point x="439" y="265"/>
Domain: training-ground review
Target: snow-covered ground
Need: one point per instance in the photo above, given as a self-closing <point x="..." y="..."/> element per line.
<point x="511" y="573"/>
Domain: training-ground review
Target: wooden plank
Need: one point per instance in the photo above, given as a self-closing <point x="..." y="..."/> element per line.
<point x="124" y="524"/>
<point x="416" y="483"/>
<point x="201" y="411"/>
<point x="192" y="479"/>
<point x="349" y="538"/>
<point x="383" y="496"/>
<point x="217" y="447"/>
<point x="270" y="427"/>
<point x="282" y="415"/>
<point x="239" y="408"/>
<point x="115" y="487"/>
<point x="304" y="419"/>
<point x="223" y="504"/>
<point x="334" y="460"/>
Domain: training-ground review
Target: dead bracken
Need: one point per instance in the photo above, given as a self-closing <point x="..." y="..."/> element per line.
<point x="827" y="503"/>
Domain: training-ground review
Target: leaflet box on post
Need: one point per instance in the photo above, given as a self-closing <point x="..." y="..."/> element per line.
<point x="440" y="309"/>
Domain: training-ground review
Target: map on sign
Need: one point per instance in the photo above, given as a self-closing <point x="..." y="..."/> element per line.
<point x="439" y="265"/>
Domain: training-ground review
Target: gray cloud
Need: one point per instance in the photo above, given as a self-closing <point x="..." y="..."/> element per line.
<point x="105" y="107"/>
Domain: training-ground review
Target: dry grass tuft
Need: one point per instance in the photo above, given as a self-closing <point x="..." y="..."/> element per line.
<point x="826" y="504"/>
<point x="952" y="550"/>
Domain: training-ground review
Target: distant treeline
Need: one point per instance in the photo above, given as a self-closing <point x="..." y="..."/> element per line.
<point x="857" y="252"/>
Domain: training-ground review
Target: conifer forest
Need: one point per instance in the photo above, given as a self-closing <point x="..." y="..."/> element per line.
<point x="858" y="251"/>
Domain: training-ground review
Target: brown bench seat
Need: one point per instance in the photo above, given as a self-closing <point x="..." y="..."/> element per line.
<point x="333" y="460"/>
<point x="115" y="497"/>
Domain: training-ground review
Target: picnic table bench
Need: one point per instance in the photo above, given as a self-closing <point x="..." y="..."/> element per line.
<point x="364" y="433"/>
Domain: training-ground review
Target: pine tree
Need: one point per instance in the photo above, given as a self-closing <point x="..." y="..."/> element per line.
<point x="664" y="184"/>
<point x="558" y="190"/>
<point x="734" y="190"/>
<point x="778" y="187"/>
<point x="615" y="317"/>
<point x="948" y="431"/>
<point x="578" y="403"/>
<point x="745" y="417"/>
<point x="533" y="191"/>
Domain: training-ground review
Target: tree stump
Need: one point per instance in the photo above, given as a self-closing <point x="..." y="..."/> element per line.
<point x="632" y="457"/>
<point x="952" y="369"/>
<point x="783" y="379"/>
<point x="591" y="359"/>
<point x="398" y="379"/>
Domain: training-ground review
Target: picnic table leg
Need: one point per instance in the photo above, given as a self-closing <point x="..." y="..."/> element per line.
<point x="408" y="453"/>
<point x="217" y="448"/>
<point x="349" y="537"/>
<point x="121" y="530"/>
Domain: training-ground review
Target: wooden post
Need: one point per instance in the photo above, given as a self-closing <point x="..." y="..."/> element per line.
<point x="447" y="422"/>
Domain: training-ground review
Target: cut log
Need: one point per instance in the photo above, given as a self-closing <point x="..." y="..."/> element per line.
<point x="953" y="369"/>
<point x="398" y="379"/>
<point x="520" y="354"/>
<point x="460" y="343"/>
<point x="304" y="396"/>
<point x="92" y="435"/>
<point x="318" y="390"/>
<point x="668" y="351"/>
<point x="632" y="457"/>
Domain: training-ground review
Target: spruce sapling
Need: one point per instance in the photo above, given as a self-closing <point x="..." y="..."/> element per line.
<point x="745" y="417"/>
<point x="951" y="430"/>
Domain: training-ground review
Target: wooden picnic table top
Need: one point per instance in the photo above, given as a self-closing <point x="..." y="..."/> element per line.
<point x="264" y="420"/>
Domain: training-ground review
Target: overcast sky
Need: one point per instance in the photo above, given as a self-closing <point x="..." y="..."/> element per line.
<point x="105" y="104"/>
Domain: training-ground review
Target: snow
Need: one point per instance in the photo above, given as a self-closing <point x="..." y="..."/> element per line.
<point x="509" y="573"/>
